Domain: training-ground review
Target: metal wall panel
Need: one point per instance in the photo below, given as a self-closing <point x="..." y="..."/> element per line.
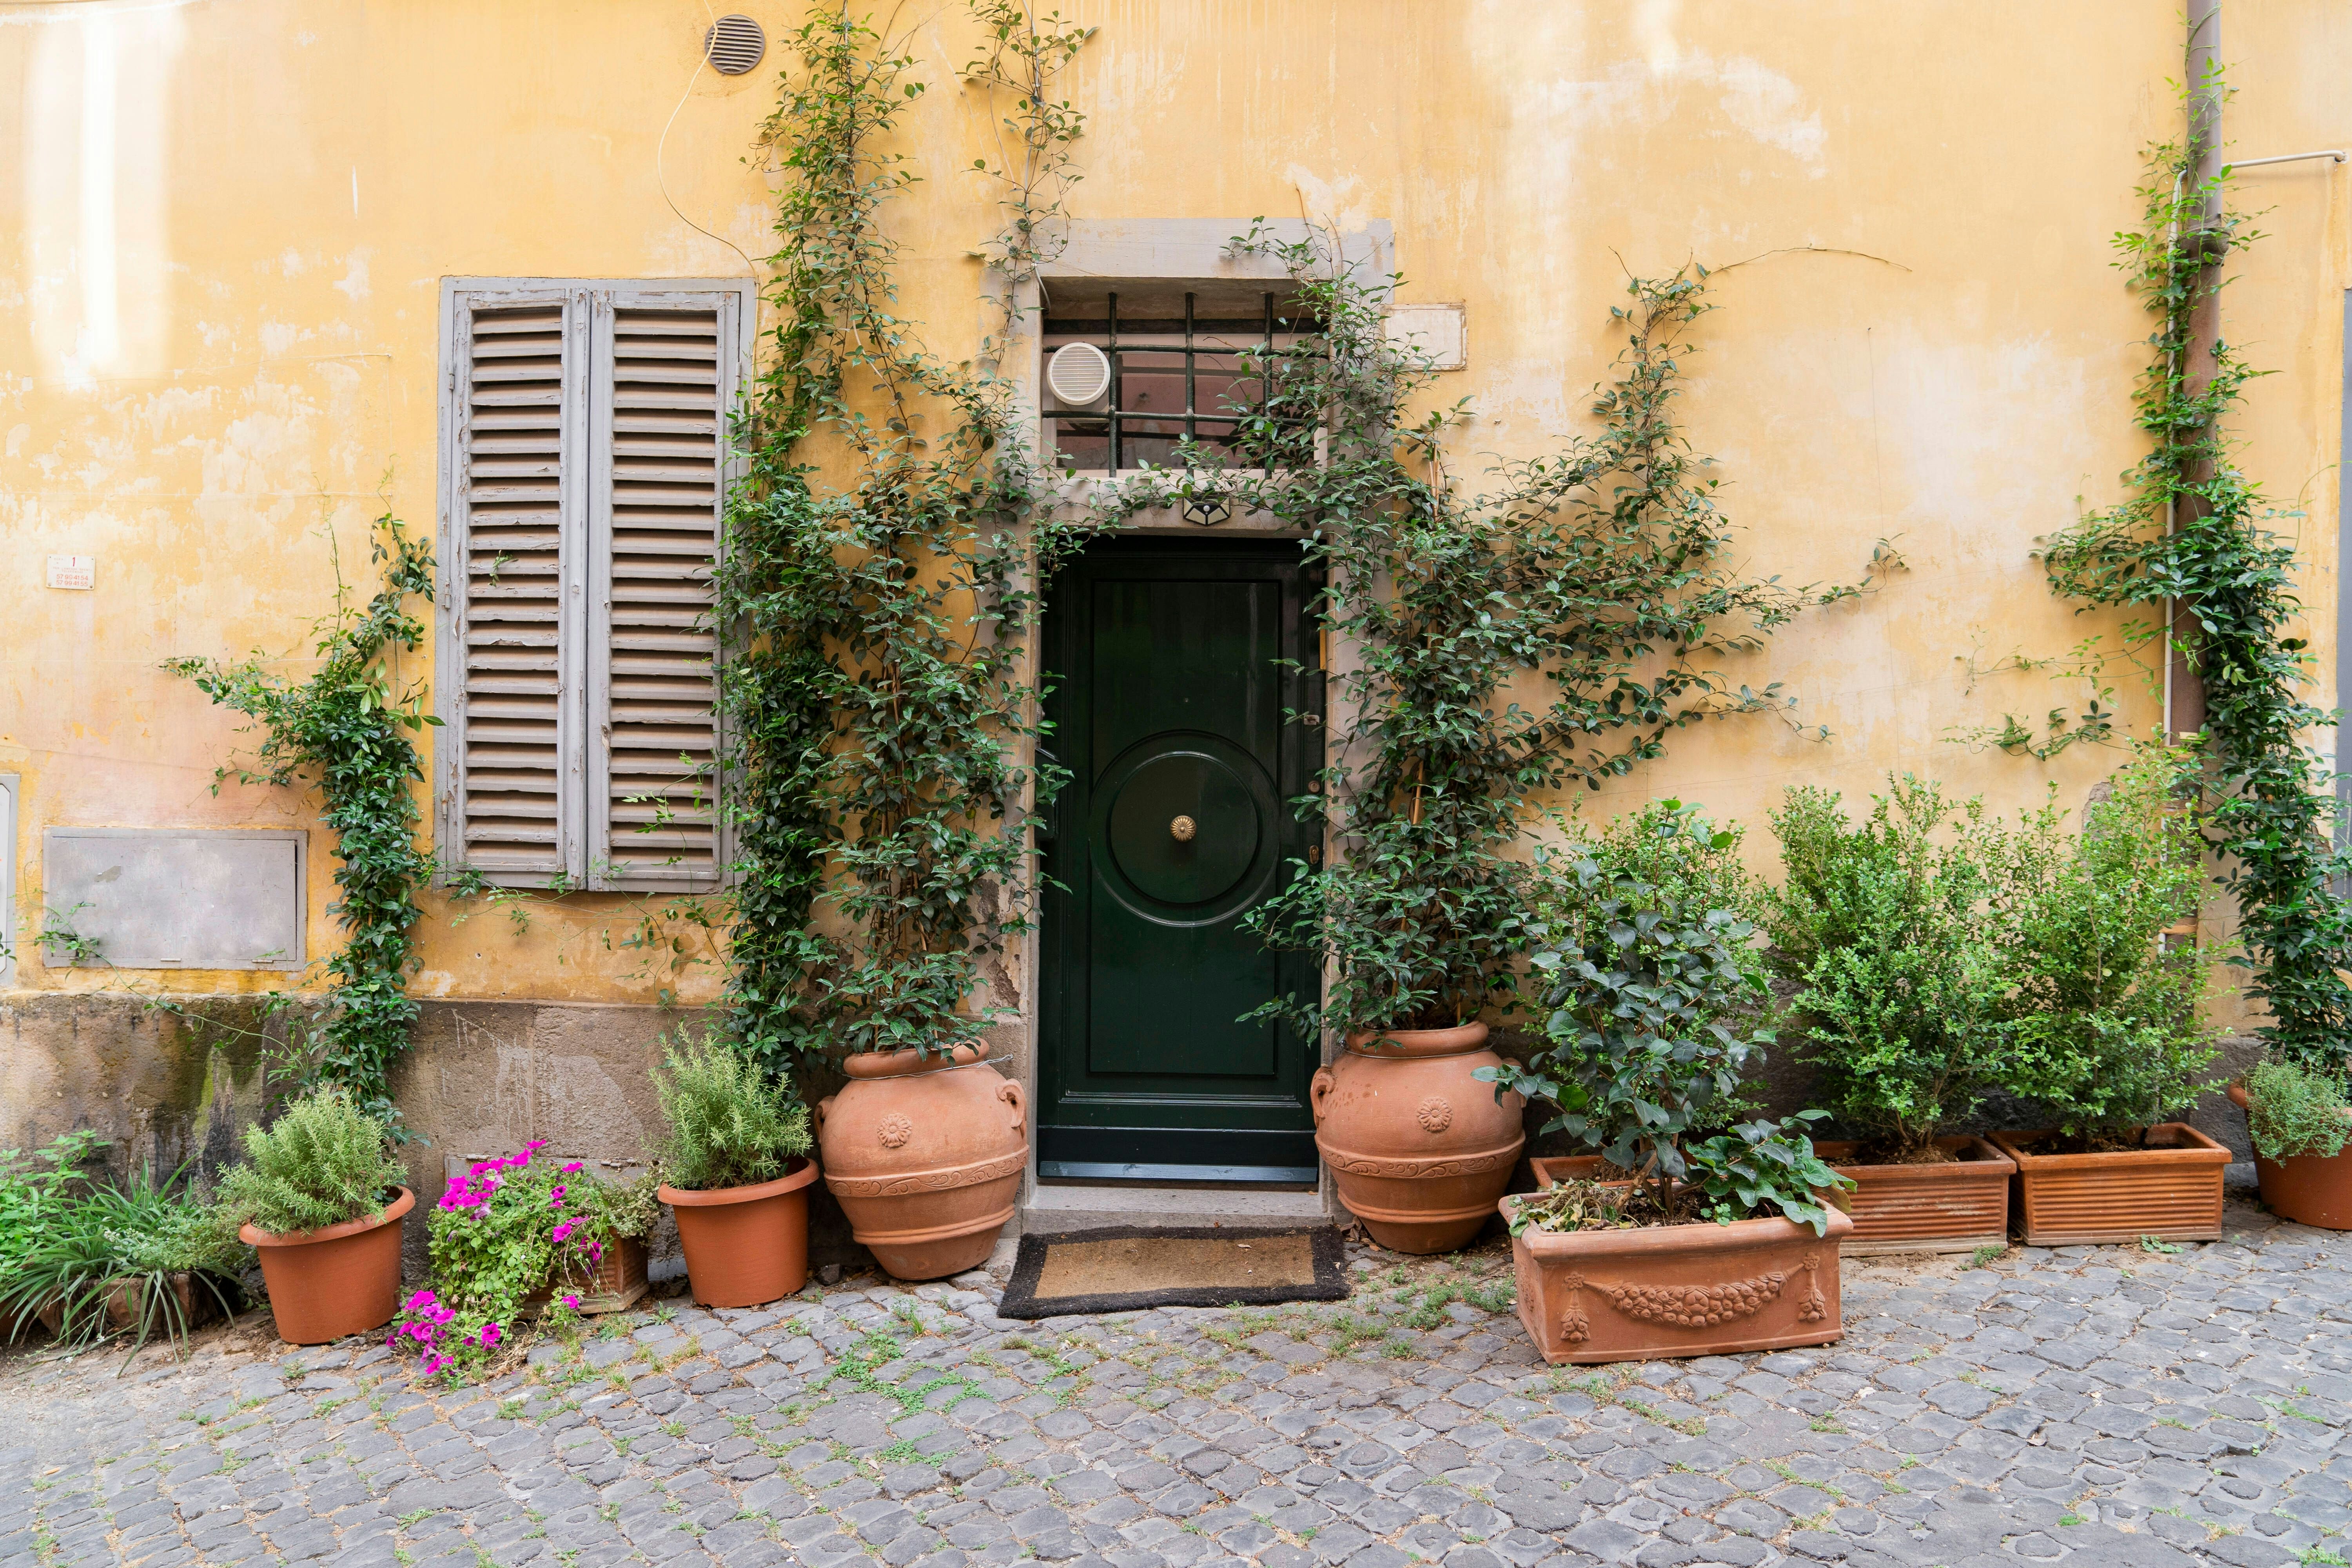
<point x="172" y="898"/>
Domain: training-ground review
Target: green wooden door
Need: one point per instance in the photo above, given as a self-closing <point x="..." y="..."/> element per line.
<point x="1178" y="667"/>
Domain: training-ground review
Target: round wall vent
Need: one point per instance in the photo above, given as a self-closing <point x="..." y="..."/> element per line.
<point x="734" y="44"/>
<point x="1079" y="373"/>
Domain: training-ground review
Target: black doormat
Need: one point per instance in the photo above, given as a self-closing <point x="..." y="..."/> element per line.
<point x="1127" y="1268"/>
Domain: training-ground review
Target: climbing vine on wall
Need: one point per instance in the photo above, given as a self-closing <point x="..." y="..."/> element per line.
<point x="2194" y="529"/>
<point x="1550" y="632"/>
<point x="874" y="592"/>
<point x="349" y="731"/>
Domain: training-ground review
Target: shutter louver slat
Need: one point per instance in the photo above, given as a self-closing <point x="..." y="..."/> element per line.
<point x="511" y="492"/>
<point x="666" y="474"/>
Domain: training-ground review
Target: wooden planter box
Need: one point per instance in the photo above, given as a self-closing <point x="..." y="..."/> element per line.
<point x="1956" y="1206"/>
<point x="614" y="1285"/>
<point x="2170" y="1190"/>
<point x="1663" y="1291"/>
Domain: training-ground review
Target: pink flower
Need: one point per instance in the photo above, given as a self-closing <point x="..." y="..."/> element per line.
<point x="596" y="1252"/>
<point x="420" y="1333"/>
<point x="555" y="1197"/>
<point x="422" y="1299"/>
<point x="564" y="1232"/>
<point x="489" y="1335"/>
<point x="573" y="1302"/>
<point x="575" y="1168"/>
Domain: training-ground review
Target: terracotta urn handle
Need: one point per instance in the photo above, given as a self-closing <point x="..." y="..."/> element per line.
<point x="816" y="1115"/>
<point x="1319" y="1093"/>
<point x="1010" y="1092"/>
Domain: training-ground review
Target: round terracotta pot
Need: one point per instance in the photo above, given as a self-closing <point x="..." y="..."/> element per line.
<point x="745" y="1245"/>
<point x="1421" y="1151"/>
<point x="925" y="1157"/>
<point x="341" y="1279"/>
<point x="2309" y="1189"/>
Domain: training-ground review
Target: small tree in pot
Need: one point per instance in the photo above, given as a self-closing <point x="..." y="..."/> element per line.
<point x="1652" y="1000"/>
<point x="2106" y="1033"/>
<point x="320" y="1196"/>
<point x="1904" y="989"/>
<point x="735" y="1172"/>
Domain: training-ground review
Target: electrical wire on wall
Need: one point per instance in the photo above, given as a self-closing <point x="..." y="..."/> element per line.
<point x="700" y="60"/>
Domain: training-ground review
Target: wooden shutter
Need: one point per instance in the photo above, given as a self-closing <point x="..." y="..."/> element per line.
<point x="663" y="399"/>
<point x="511" y="778"/>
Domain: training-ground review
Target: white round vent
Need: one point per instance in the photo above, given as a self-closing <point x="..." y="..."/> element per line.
<point x="1079" y="373"/>
<point x="734" y="44"/>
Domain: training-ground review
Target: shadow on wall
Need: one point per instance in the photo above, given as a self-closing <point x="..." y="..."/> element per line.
<point x="165" y="1088"/>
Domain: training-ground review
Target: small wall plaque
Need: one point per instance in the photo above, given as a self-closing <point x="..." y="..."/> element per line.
<point x="1440" y="331"/>
<point x="73" y="572"/>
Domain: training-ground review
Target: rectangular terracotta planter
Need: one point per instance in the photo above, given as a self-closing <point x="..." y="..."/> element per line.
<point x="2170" y="1191"/>
<point x="1956" y="1206"/>
<point x="1665" y="1291"/>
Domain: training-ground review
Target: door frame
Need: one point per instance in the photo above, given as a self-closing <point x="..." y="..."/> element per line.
<point x="1302" y="756"/>
<point x="1163" y="249"/>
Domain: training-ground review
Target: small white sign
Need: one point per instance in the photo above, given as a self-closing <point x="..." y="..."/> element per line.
<point x="73" y="572"/>
<point x="1438" y="330"/>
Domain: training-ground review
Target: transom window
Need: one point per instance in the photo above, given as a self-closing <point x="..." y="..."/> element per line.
<point x="1186" y="362"/>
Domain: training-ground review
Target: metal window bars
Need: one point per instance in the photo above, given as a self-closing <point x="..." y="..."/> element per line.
<point x="1124" y="432"/>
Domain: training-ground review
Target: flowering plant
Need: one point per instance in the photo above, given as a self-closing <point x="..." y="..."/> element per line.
<point x="500" y="1233"/>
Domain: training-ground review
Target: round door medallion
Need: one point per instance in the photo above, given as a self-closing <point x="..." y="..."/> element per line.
<point x="1183" y="827"/>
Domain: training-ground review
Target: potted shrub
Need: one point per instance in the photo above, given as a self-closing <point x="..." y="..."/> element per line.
<point x="509" y="1235"/>
<point x="735" y="1173"/>
<point x="320" y="1196"/>
<point x="2299" y="1119"/>
<point x="2106" y="1034"/>
<point x="139" y="1258"/>
<point x="1904" y="991"/>
<point x="1663" y="1242"/>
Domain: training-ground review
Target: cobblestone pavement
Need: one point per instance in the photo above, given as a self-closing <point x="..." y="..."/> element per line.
<point x="2093" y="1406"/>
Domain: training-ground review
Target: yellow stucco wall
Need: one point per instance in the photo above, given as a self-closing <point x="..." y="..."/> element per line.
<point x="223" y="223"/>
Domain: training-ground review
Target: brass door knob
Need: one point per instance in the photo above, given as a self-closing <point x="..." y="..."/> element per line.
<point x="1182" y="829"/>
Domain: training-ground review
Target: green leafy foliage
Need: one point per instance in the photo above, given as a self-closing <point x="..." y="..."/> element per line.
<point x="2293" y="1111"/>
<point x="507" y="1229"/>
<point x="1904" y="985"/>
<point x="1652" y="992"/>
<point x="35" y="1188"/>
<point x="1598" y="573"/>
<point x="324" y="1161"/>
<point x="2196" y="530"/>
<point x="730" y="1123"/>
<point x="346" y="730"/>
<point x="2105" y="1030"/>
<point x="1759" y="1167"/>
<point x="104" y="1260"/>
<point x="874" y="678"/>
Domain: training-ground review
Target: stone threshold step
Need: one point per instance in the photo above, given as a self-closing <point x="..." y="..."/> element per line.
<point x="1088" y="1206"/>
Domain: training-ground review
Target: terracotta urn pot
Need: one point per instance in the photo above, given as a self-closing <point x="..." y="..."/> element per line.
<point x="341" y="1279"/>
<point x="1662" y="1291"/>
<point x="745" y="1245"/>
<point x="1952" y="1206"/>
<point x="2309" y="1189"/>
<point x="1418" y="1148"/>
<point x="925" y="1154"/>
<point x="2169" y="1189"/>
